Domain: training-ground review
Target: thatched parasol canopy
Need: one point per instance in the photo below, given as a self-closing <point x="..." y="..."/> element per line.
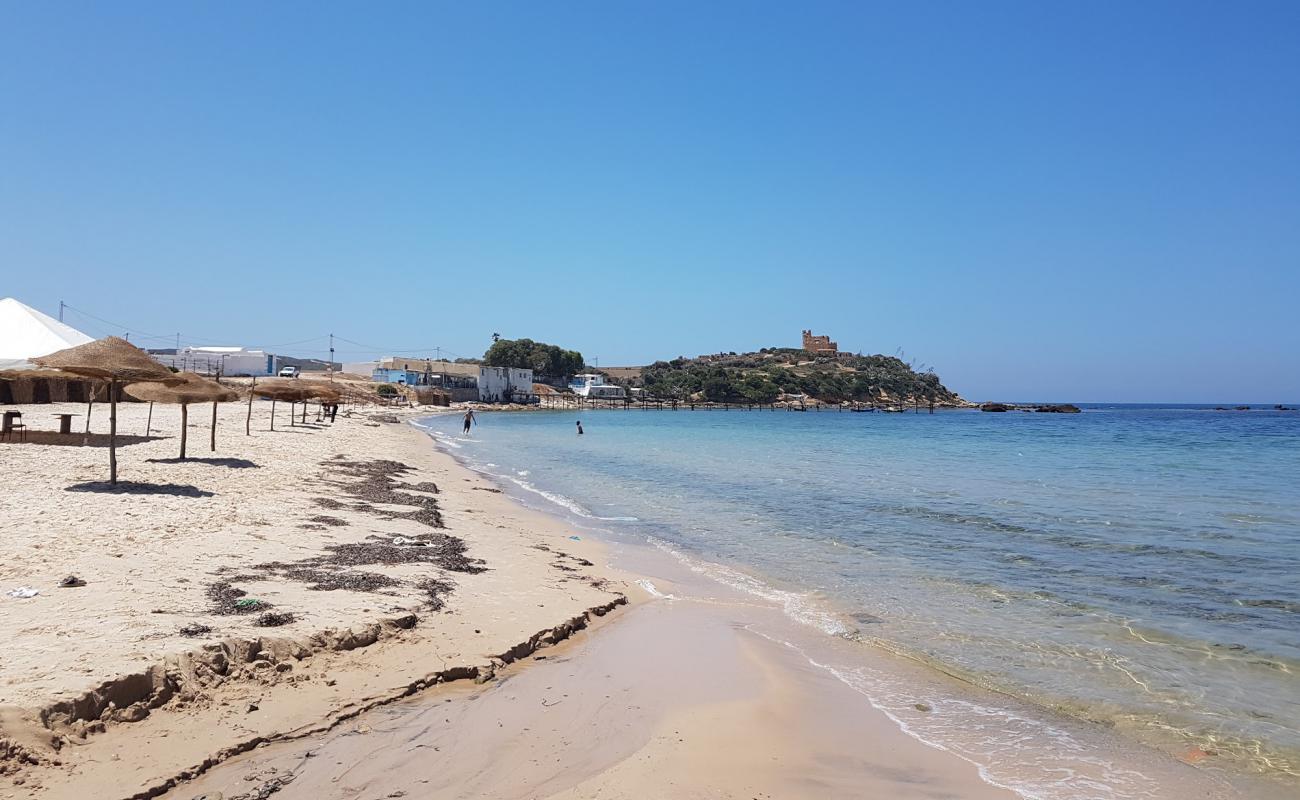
<point x="33" y="371"/>
<point x="109" y="359"/>
<point x="325" y="392"/>
<point x="191" y="389"/>
<point x="116" y="361"/>
<point x="291" y="391"/>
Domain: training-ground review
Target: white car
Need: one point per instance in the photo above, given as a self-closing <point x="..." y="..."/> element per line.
<point x="290" y="372"/>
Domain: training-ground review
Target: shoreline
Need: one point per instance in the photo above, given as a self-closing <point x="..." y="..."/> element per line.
<point x="373" y="674"/>
<point x="1167" y="773"/>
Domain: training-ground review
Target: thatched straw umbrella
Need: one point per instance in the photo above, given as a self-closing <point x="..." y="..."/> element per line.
<point x="322" y="391"/>
<point x="290" y="390"/>
<point x="116" y="361"/>
<point x="193" y="390"/>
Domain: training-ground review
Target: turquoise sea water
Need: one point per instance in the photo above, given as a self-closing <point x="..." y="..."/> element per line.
<point x="1137" y="566"/>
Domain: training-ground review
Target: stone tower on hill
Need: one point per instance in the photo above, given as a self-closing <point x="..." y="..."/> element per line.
<point x="819" y="345"/>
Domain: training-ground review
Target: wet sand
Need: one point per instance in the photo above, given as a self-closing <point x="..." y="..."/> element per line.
<point x="668" y="700"/>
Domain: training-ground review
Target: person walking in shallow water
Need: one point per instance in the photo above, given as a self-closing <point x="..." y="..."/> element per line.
<point x="469" y="420"/>
<point x="579" y="427"/>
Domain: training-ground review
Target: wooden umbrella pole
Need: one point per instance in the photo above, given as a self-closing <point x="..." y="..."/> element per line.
<point x="293" y="410"/>
<point x="272" y="413"/>
<point x="214" y="426"/>
<point x="149" y="422"/>
<point x="112" y="432"/>
<point x="248" y="421"/>
<point x="85" y="440"/>
<point x="185" y="424"/>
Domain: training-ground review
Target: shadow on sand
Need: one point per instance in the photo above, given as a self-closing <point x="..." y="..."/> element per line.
<point x="233" y="463"/>
<point x="80" y="439"/>
<point x="126" y="487"/>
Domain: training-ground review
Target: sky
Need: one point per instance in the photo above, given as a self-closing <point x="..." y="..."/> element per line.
<point x="1041" y="201"/>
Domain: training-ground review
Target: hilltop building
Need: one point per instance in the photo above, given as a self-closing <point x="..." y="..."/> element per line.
<point x="819" y="345"/>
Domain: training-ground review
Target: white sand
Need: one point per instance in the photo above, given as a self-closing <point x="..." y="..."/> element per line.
<point x="147" y="560"/>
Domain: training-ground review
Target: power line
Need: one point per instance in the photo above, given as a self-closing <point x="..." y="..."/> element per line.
<point x="171" y="338"/>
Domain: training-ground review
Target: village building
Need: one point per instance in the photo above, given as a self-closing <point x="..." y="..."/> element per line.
<point x="232" y="361"/>
<point x="461" y="381"/>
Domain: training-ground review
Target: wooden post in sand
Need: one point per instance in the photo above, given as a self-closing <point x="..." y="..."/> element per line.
<point x="149" y="422"/>
<point x="213" y="447"/>
<point x="185" y="424"/>
<point x="248" y="421"/>
<point x="112" y="432"/>
<point x="272" y="413"/>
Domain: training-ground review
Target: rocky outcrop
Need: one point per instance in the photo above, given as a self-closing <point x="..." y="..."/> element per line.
<point x="1043" y="408"/>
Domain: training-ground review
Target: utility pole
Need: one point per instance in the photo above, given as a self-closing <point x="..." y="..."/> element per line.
<point x="331" y="366"/>
<point x="61" y="304"/>
<point x="178" y="343"/>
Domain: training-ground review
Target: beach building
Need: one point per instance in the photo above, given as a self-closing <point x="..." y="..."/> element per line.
<point x="461" y="381"/>
<point x="359" y="367"/>
<point x="593" y="386"/>
<point x="26" y="333"/>
<point x="505" y="385"/>
<point x="235" y="361"/>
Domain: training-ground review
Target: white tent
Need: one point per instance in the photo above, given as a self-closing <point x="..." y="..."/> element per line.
<point x="26" y="333"/>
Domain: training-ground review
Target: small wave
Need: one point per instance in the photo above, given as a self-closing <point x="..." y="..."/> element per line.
<point x="1057" y="764"/>
<point x="801" y="607"/>
<point x="558" y="499"/>
<point x="653" y="590"/>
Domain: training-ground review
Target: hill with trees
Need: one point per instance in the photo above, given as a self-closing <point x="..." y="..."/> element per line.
<point x="765" y="376"/>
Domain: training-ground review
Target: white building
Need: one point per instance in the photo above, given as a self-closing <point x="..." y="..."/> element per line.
<point x="360" y="367"/>
<point x="594" y="386"/>
<point x="221" y="361"/>
<point x="505" y="384"/>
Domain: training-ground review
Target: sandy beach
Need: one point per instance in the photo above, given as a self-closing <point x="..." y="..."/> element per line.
<point x="143" y="675"/>
<point x="340" y="611"/>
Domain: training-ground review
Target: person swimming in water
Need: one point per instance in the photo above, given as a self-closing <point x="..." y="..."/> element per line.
<point x="469" y="420"/>
<point x="579" y="427"/>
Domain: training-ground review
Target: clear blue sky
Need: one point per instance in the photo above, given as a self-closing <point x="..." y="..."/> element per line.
<point x="1065" y="201"/>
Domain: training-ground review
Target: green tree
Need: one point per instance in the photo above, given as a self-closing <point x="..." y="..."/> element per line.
<point x="540" y="357"/>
